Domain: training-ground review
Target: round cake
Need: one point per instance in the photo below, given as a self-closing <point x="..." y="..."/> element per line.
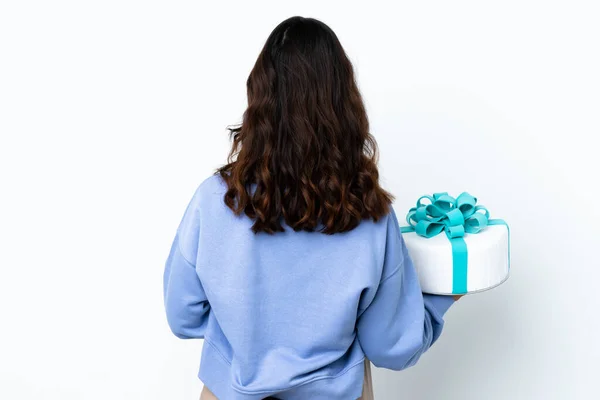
<point x="487" y="260"/>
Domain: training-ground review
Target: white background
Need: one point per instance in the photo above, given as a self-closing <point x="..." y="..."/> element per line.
<point x="112" y="112"/>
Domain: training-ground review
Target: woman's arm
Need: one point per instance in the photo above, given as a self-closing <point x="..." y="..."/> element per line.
<point x="400" y="323"/>
<point x="186" y="305"/>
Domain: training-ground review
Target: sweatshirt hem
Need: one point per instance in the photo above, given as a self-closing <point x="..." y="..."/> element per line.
<point x="215" y="373"/>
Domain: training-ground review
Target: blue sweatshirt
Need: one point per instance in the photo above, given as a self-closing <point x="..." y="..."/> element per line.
<point x="293" y="315"/>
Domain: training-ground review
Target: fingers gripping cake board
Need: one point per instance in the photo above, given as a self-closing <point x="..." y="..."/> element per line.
<point x="455" y="247"/>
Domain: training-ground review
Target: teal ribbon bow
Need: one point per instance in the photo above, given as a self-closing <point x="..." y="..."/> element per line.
<point x="455" y="217"/>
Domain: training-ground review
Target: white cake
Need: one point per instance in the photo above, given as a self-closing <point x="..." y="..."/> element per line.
<point x="487" y="260"/>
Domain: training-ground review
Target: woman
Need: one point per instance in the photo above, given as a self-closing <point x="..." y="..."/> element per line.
<point x="288" y="261"/>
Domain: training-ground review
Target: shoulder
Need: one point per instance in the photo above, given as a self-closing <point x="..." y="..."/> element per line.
<point x="388" y="220"/>
<point x="209" y="194"/>
<point x="212" y="185"/>
<point x="207" y="190"/>
<point x="392" y="218"/>
<point x="383" y="230"/>
<point x="392" y="229"/>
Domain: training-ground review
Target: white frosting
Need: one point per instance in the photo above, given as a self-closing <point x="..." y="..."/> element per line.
<point x="487" y="266"/>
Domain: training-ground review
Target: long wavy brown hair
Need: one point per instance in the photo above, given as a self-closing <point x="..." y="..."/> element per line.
<point x="304" y="144"/>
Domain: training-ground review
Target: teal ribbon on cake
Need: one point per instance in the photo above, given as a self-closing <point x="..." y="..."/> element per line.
<point x="456" y="217"/>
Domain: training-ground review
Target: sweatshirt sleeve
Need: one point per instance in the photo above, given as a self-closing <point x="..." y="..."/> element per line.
<point x="401" y="322"/>
<point x="185" y="301"/>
